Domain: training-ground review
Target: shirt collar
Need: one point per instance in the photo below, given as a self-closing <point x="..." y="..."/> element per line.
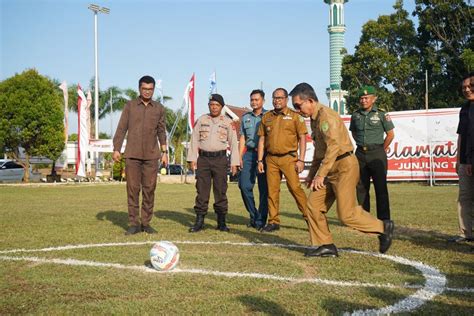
<point x="317" y="108"/>
<point x="285" y="111"/>
<point x="140" y="101"/>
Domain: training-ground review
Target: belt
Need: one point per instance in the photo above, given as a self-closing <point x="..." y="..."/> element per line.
<point x="370" y="147"/>
<point x="344" y="155"/>
<point x="291" y="153"/>
<point x="251" y="148"/>
<point x="219" y="153"/>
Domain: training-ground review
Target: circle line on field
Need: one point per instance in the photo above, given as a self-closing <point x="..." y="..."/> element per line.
<point x="435" y="281"/>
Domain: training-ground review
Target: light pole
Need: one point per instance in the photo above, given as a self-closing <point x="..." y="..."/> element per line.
<point x="96" y="9"/>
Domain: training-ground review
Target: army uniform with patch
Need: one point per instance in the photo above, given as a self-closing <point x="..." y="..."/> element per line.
<point x="210" y="139"/>
<point x="333" y="160"/>
<point x="282" y="131"/>
<point x="368" y="129"/>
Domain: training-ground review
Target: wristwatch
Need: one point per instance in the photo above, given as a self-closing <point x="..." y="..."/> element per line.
<point x="164" y="151"/>
<point x="259" y="161"/>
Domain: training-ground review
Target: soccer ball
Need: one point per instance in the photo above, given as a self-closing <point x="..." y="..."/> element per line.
<point x="164" y="256"/>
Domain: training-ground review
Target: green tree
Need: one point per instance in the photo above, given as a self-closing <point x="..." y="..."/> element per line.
<point x="31" y="117"/>
<point x="386" y="57"/>
<point x="446" y="45"/>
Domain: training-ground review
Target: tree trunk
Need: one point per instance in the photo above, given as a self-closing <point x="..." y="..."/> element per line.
<point x="26" y="177"/>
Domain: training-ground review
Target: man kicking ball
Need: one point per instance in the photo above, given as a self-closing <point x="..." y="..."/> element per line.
<point x="333" y="177"/>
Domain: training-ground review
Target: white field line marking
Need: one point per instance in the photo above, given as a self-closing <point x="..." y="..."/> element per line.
<point x="75" y="262"/>
<point x="435" y="281"/>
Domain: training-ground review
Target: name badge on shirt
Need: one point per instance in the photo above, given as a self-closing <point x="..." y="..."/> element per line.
<point x="287" y="118"/>
<point x="375" y="119"/>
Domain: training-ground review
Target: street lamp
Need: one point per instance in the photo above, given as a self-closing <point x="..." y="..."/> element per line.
<point x="96" y="9"/>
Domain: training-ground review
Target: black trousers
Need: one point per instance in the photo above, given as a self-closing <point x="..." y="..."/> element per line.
<point x="211" y="171"/>
<point x="373" y="165"/>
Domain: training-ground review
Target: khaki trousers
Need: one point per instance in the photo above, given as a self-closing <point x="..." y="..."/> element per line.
<point x="141" y="175"/>
<point x="276" y="166"/>
<point x="465" y="202"/>
<point x="340" y="187"/>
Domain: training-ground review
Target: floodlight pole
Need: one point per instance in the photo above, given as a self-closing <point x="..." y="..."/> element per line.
<point x="95" y="8"/>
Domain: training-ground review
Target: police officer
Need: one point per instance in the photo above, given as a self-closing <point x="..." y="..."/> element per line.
<point x="211" y="136"/>
<point x="369" y="125"/>
<point x="333" y="177"/>
<point x="248" y="162"/>
<point x="281" y="132"/>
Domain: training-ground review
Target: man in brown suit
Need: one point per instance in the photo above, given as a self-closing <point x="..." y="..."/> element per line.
<point x="144" y="121"/>
<point x="333" y="177"/>
<point x="281" y="132"/>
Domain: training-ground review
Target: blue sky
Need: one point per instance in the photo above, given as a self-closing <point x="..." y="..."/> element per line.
<point x="279" y="43"/>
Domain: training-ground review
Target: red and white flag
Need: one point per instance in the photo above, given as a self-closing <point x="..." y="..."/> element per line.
<point x="82" y="133"/>
<point x="189" y="101"/>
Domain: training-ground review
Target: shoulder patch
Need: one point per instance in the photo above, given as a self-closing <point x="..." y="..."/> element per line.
<point x="324" y="126"/>
<point x="387" y="117"/>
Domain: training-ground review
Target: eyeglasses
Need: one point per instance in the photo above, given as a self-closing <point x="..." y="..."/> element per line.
<point x="279" y="98"/>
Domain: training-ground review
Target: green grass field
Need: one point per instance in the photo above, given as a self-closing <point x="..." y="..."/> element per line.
<point x="35" y="217"/>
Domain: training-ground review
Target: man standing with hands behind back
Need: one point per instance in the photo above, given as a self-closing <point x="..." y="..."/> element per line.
<point x="369" y="125"/>
<point x="212" y="134"/>
<point x="144" y="121"/>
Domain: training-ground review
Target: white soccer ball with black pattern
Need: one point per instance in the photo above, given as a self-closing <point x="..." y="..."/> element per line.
<point x="164" y="256"/>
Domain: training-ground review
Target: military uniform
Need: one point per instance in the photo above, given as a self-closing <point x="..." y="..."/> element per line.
<point x="368" y="129"/>
<point x="249" y="128"/>
<point x="210" y="138"/>
<point x="334" y="161"/>
<point x="282" y="131"/>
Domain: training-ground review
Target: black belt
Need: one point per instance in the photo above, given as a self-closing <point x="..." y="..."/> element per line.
<point x="370" y="147"/>
<point x="344" y="155"/>
<point x="251" y="148"/>
<point x="291" y="153"/>
<point x="212" y="154"/>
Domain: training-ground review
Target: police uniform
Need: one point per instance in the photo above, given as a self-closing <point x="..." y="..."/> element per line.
<point x="249" y="128"/>
<point x="282" y="131"/>
<point x="334" y="161"/>
<point x="368" y="129"/>
<point x="209" y="141"/>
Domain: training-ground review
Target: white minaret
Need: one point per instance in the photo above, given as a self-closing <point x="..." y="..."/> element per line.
<point x="336" y="29"/>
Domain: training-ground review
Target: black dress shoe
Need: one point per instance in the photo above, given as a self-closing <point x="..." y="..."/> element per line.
<point x="385" y="239"/>
<point x="148" y="230"/>
<point x="132" y="230"/>
<point x="270" y="228"/>
<point x="322" y="251"/>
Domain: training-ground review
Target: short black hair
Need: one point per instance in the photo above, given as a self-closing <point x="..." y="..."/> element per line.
<point x="258" y="91"/>
<point x="146" y="79"/>
<point x="304" y="91"/>
<point x="281" y="89"/>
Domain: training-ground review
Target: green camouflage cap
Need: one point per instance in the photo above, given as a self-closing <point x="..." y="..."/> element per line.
<point x="365" y="90"/>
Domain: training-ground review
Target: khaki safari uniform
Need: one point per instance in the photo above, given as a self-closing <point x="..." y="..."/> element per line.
<point x="282" y="130"/>
<point x="368" y="129"/>
<point x="333" y="160"/>
<point x="210" y="139"/>
<point x="144" y="126"/>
